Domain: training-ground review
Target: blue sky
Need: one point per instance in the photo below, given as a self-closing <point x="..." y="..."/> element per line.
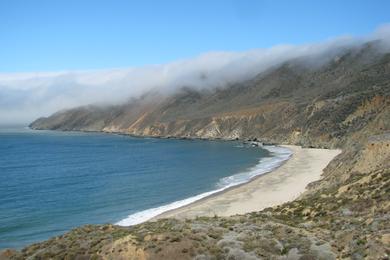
<point x="72" y="35"/>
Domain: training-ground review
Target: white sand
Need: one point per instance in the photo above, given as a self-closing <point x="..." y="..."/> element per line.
<point x="284" y="184"/>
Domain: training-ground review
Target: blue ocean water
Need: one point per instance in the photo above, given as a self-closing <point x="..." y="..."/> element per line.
<point x="51" y="182"/>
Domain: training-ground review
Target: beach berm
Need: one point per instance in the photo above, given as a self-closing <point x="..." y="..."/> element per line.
<point x="283" y="184"/>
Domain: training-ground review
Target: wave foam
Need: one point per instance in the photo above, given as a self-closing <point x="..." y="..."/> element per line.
<point x="265" y="165"/>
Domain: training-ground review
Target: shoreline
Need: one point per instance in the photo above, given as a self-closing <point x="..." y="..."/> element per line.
<point x="282" y="184"/>
<point x="239" y="198"/>
<point x="264" y="166"/>
<point x="173" y="137"/>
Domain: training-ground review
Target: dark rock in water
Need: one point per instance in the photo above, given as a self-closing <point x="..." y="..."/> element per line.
<point x="269" y="143"/>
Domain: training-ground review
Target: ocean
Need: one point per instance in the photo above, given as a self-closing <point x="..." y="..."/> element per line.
<point x="51" y="182"/>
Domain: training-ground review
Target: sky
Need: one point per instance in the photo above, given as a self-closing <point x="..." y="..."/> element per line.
<point x="47" y="35"/>
<point x="61" y="54"/>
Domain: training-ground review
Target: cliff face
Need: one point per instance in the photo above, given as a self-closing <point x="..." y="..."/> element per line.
<point x="344" y="103"/>
<point x="291" y="103"/>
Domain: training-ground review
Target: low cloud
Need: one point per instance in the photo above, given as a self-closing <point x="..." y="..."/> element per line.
<point x="27" y="96"/>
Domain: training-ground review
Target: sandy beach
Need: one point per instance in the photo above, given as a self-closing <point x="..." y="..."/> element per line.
<point x="283" y="184"/>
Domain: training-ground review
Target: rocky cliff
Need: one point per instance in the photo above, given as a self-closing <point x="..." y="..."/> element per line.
<point x="343" y="103"/>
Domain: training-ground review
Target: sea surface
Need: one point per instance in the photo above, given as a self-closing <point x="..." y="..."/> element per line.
<point x="51" y="182"/>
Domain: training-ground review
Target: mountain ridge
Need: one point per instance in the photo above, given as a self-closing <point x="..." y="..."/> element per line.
<point x="295" y="93"/>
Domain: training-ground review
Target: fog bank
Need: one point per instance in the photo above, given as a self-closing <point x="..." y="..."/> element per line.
<point x="27" y="96"/>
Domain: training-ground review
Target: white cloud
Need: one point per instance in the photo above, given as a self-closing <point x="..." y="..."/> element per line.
<point x="26" y="96"/>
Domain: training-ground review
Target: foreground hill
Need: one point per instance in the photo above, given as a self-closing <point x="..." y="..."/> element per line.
<point x="344" y="103"/>
<point x="345" y="215"/>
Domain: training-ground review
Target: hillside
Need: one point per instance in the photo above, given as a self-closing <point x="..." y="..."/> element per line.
<point x="295" y="102"/>
<point x="343" y="103"/>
